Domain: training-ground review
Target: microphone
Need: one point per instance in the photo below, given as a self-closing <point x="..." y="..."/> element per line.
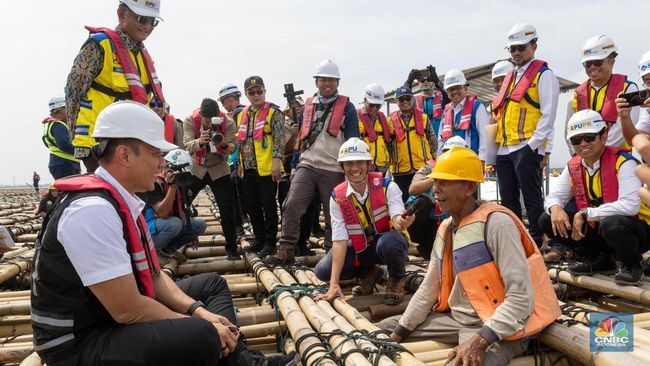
<point x="416" y="205"/>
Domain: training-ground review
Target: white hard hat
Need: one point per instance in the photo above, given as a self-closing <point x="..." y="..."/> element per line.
<point x="179" y="159"/>
<point x="374" y="94"/>
<point x="129" y="119"/>
<point x="454" y="77"/>
<point x="327" y="69"/>
<point x="598" y="48"/>
<point x="501" y="68"/>
<point x="227" y="89"/>
<point x="521" y="33"/>
<point x="454" y="141"/>
<point x="584" y="121"/>
<point x="56" y="103"/>
<point x="644" y="64"/>
<point x="146" y="8"/>
<point x="353" y="150"/>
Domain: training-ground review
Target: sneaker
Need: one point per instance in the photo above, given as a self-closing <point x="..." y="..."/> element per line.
<point x="283" y="256"/>
<point x="554" y="255"/>
<point x="603" y="264"/>
<point x="268" y="249"/>
<point x="365" y="285"/>
<point x="232" y="254"/>
<point x="394" y="291"/>
<point x="629" y="275"/>
<point x="252" y="357"/>
<point x="256" y="247"/>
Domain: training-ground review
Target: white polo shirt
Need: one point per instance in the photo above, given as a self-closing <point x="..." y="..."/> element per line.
<point x="92" y="235"/>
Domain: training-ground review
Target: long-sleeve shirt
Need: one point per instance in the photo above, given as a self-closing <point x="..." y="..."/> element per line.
<point x="86" y="67"/>
<point x="549" y="91"/>
<point x="628" y="201"/>
<point x="482" y="120"/>
<point x="216" y="164"/>
<point x="504" y="243"/>
<point x="62" y="140"/>
<point x="278" y="137"/>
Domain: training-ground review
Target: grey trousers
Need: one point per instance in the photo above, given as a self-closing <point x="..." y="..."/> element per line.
<point x="307" y="183"/>
<point x="441" y="327"/>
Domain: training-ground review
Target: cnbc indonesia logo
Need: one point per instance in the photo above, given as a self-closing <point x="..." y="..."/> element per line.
<point x="613" y="333"/>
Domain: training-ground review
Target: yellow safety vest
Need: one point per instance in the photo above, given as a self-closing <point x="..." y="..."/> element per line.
<point x="519" y="119"/>
<point x="264" y="147"/>
<point x="378" y="148"/>
<point x="110" y="79"/>
<point x="413" y="152"/>
<point x="50" y="141"/>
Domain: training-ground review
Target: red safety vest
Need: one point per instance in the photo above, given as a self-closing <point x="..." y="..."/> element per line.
<point x="170" y="123"/>
<point x="437" y="104"/>
<point x="378" y="208"/>
<point x="399" y="129"/>
<point x="369" y="125"/>
<point x="608" y="177"/>
<point x="615" y="85"/>
<point x="336" y="120"/>
<point x="138" y="92"/>
<point x="258" y="129"/>
<point x="200" y="154"/>
<point x="465" y="117"/>
<point x="522" y="86"/>
<point x="143" y="255"/>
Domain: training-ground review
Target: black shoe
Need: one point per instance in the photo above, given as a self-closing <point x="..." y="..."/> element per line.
<point x="629" y="275"/>
<point x="302" y="250"/>
<point x="239" y="230"/>
<point x="319" y="233"/>
<point x="603" y="264"/>
<point x="268" y="249"/>
<point x="253" y="357"/>
<point x="256" y="247"/>
<point x="232" y="254"/>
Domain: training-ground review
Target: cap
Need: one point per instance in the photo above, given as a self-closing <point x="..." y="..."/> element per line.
<point x="253" y="81"/>
<point x="403" y="90"/>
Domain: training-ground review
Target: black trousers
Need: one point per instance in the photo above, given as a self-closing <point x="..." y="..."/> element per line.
<point x="520" y="171"/>
<point x="224" y="193"/>
<point x="260" y="202"/>
<point x="188" y="341"/>
<point x="423" y="230"/>
<point x="239" y="202"/>
<point x="403" y="181"/>
<point x="625" y="236"/>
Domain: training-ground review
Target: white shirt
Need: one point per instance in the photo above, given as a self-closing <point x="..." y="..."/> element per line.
<point x="92" y="235"/>
<point x="628" y="202"/>
<point x="549" y="91"/>
<point x="393" y="199"/>
<point x="482" y="120"/>
<point x="615" y="134"/>
<point x="644" y="121"/>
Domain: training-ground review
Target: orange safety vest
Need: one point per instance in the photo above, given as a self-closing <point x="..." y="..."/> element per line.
<point x="465" y="117"/>
<point x="337" y="113"/>
<point x="479" y="274"/>
<point x="615" y="85"/>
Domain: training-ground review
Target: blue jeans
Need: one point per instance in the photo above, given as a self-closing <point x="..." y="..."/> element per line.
<point x="391" y="249"/>
<point x="172" y="232"/>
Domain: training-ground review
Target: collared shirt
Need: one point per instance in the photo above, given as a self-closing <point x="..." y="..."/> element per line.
<point x="92" y="234"/>
<point x="549" y="91"/>
<point x="277" y="135"/>
<point x="482" y="120"/>
<point x="628" y="201"/>
<point x="86" y="67"/>
<point x="393" y="199"/>
<point x="644" y="121"/>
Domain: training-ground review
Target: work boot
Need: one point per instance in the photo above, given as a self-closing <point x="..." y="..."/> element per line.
<point x="553" y="255"/>
<point x="253" y="357"/>
<point x="629" y="274"/>
<point x="232" y="254"/>
<point x="283" y="256"/>
<point x="256" y="247"/>
<point x="603" y="263"/>
<point x="394" y="290"/>
<point x="366" y="284"/>
<point x="302" y="250"/>
<point x="268" y="249"/>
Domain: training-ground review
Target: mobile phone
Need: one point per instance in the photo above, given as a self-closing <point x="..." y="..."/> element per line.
<point x="636" y="98"/>
<point x="424" y="75"/>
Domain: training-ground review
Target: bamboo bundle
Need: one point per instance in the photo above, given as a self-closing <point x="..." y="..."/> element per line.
<point x="205" y="251"/>
<point x="262" y="330"/>
<point x="255" y="308"/>
<point x="296" y="321"/>
<point x="17" y="266"/>
<point x="32" y="360"/>
<point x="208" y="240"/>
<point x="22" y="307"/>
<point x="15" y="352"/>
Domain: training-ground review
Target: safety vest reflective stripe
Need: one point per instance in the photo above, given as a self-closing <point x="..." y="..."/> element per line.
<point x="50" y="141"/>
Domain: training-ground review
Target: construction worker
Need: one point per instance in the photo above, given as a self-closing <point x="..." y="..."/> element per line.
<point x="56" y="137"/>
<point x="600" y="90"/>
<point x="210" y="136"/>
<point x="261" y="141"/>
<point x="499" y="72"/>
<point x="433" y="99"/>
<point x="35" y="179"/>
<point x="528" y="97"/>
<point x="465" y="116"/>
<point x="611" y="223"/>
<point x="480" y="246"/>
<point x="173" y="125"/>
<point x="329" y="119"/>
<point x="373" y="127"/>
<point x="625" y="112"/>
<point x="111" y="65"/>
<point x="367" y="225"/>
<point x="414" y="142"/>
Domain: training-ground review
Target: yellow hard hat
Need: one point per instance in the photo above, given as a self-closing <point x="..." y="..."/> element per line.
<point x="459" y="163"/>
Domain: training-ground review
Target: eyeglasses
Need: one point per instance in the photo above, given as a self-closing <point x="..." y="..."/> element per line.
<point x="255" y="92"/>
<point x="371" y="105"/>
<point x="405" y="98"/>
<point x="597" y="63"/>
<point x="145" y="20"/>
<point x="587" y="137"/>
<point x="520" y="48"/>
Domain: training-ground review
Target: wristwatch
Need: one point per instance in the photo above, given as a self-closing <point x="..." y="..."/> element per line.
<point x="193" y="307"/>
<point x="583" y="213"/>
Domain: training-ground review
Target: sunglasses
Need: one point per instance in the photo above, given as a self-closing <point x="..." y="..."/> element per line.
<point x="597" y="63"/>
<point x="406" y="98"/>
<point x="370" y="105"/>
<point x="587" y="137"/>
<point x="255" y="92"/>
<point x="520" y="48"/>
<point x="145" y="20"/>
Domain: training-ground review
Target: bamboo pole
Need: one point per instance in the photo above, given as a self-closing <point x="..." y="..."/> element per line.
<point x="8" y="271"/>
<point x="22" y="307"/>
<point x="32" y="360"/>
<point x="262" y="330"/>
<point x="15" y="352"/>
<point x="256" y="316"/>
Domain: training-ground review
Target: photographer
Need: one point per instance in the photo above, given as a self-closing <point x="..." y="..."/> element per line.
<point x="166" y="218"/>
<point x="625" y="111"/>
<point x="210" y="138"/>
<point x="433" y="99"/>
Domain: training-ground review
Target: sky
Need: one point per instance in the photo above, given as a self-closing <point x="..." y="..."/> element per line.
<point x="202" y="44"/>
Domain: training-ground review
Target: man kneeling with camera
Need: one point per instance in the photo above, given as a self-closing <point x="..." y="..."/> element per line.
<point x="167" y="208"/>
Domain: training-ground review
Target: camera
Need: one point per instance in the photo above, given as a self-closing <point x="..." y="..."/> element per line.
<point x="636" y="98"/>
<point x="182" y="178"/>
<point x="215" y="131"/>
